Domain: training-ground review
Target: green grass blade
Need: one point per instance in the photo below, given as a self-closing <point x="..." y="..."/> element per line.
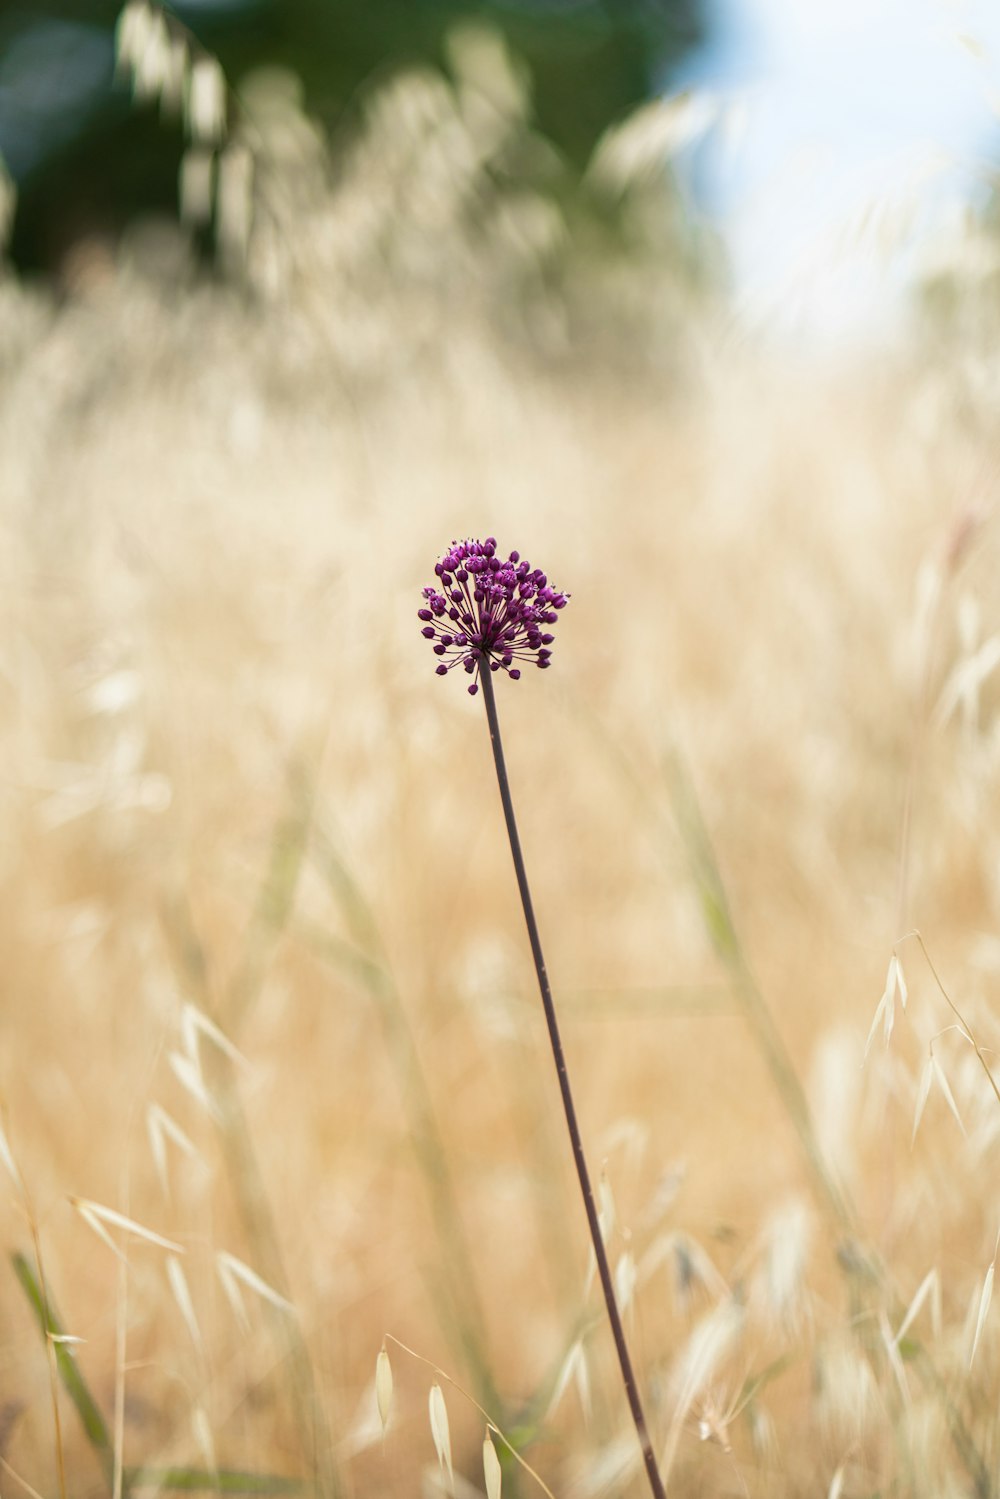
<point x="69" y="1372"/>
<point x="206" y="1481"/>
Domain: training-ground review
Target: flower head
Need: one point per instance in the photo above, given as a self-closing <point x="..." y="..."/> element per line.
<point x="484" y="609"/>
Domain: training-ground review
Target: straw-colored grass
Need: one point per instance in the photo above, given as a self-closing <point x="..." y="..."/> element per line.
<point x="235" y="796"/>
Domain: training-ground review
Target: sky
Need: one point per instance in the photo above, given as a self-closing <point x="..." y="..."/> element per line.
<point x="855" y="133"/>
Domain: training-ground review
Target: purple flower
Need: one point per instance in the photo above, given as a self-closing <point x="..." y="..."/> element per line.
<point x="485" y="609"/>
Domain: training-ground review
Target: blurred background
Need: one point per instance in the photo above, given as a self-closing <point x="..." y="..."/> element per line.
<point x="695" y="306"/>
<point x="87" y="163"/>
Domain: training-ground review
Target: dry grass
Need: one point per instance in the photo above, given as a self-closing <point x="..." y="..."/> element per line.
<point x="233" y="782"/>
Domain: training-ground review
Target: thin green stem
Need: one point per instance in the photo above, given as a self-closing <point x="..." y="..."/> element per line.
<point x="580" y="1161"/>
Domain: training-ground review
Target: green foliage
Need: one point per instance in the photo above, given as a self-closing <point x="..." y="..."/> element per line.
<point x="590" y="62"/>
<point x="102" y="164"/>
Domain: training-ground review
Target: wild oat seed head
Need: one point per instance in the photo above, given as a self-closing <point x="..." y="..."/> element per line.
<point x="485" y="609"/>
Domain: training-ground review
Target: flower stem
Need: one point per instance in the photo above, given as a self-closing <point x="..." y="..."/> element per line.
<point x="580" y="1160"/>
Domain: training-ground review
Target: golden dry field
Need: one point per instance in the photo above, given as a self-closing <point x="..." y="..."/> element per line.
<point x="267" y="992"/>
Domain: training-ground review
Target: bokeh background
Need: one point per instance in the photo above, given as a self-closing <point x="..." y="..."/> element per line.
<point x="292" y="295"/>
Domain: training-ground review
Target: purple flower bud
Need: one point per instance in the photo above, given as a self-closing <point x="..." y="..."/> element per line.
<point x="499" y="607"/>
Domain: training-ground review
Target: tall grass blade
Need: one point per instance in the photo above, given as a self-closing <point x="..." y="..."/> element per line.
<point x="73" y="1381"/>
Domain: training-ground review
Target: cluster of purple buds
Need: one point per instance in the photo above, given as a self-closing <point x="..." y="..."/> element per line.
<point x="485" y="609"/>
